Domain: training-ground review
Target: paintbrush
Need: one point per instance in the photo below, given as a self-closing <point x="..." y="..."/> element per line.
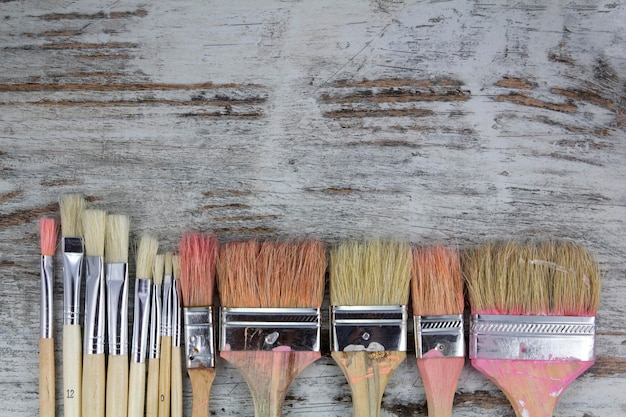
<point x="146" y="252"/>
<point x="271" y="295"/>
<point x="369" y="290"/>
<point x="165" y="334"/>
<point x="177" y="317"/>
<point x="72" y="207"/>
<point x="198" y="254"/>
<point x="94" y="377"/>
<point x="533" y="319"/>
<point x="48" y="237"/>
<point x="154" y="352"/>
<point x="116" y="280"/>
<point x="437" y="295"/>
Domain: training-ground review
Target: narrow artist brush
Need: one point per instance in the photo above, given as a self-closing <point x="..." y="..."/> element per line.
<point x="154" y="352"/>
<point x="533" y="319"/>
<point x="271" y="295"/>
<point x="369" y="290"/>
<point x="148" y="247"/>
<point x="177" y="317"/>
<point x="116" y="280"/>
<point x="165" y="334"/>
<point x="48" y="236"/>
<point x="94" y="226"/>
<point x="437" y="295"/>
<point x="72" y="207"/>
<point x="197" y="278"/>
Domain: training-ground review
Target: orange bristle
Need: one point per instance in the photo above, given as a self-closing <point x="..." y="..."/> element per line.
<point x="48" y="230"/>
<point x="198" y="254"/>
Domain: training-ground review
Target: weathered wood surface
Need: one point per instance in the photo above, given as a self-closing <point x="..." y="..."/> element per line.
<point x="430" y="121"/>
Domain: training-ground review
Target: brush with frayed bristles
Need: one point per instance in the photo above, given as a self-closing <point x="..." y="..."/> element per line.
<point x="116" y="284"/>
<point x="165" y="334"/>
<point x="198" y="254"/>
<point x="72" y="207"/>
<point x="437" y="299"/>
<point x="533" y="318"/>
<point x="271" y="275"/>
<point x="154" y="354"/>
<point x="94" y="375"/>
<point x="48" y="237"/>
<point x="146" y="253"/>
<point x="176" y="390"/>
<point x="373" y="277"/>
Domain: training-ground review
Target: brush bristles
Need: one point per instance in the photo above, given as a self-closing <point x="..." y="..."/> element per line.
<point x="168" y="264"/>
<point x="71" y="207"/>
<point x="436" y="282"/>
<point x="272" y="274"/>
<point x="551" y="278"/>
<point x="370" y="273"/>
<point x="198" y="254"/>
<point x="116" y="247"/>
<point x="48" y="236"/>
<point x="175" y="267"/>
<point x="94" y="226"/>
<point x="159" y="267"/>
<point x="146" y="253"/>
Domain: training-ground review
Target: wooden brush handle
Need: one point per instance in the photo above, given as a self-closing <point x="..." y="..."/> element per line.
<point x="117" y="386"/>
<point x="368" y="374"/>
<point x="440" y="377"/>
<point x="136" y="389"/>
<point x="201" y="383"/>
<point x="177" y="382"/>
<point x="165" y="377"/>
<point x="46" y="378"/>
<point x="93" y="385"/>
<point x="72" y="370"/>
<point x="269" y="375"/>
<point x="152" y="392"/>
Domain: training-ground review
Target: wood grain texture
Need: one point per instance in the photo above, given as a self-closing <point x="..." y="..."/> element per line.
<point x="117" y="386"/>
<point x="152" y="388"/>
<point x="440" y="377"/>
<point x="47" y="381"/>
<point x="165" y="377"/>
<point x="453" y="122"/>
<point x="72" y="370"/>
<point x="94" y="385"/>
<point x="176" y="389"/>
<point x="201" y="383"/>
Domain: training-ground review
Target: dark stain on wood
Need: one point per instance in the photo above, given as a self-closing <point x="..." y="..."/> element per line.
<point x="481" y="398"/>
<point x="85" y="45"/>
<point x="219" y="193"/>
<point x="245" y="218"/>
<point x="104" y="56"/>
<point x="336" y="190"/>
<point x="517" y="83"/>
<point x="54" y="33"/>
<point x="524" y="100"/>
<point x="390" y="143"/>
<point x="12" y="265"/>
<point x="225" y="206"/>
<point x="399" y="82"/>
<point x="224" y="115"/>
<point x="61" y="182"/>
<point x="561" y="58"/>
<point x="575" y="159"/>
<point x="99" y="15"/>
<point x="19" y="217"/>
<point x="352" y="113"/>
<point x="8" y="196"/>
<point x="585" y="95"/>
<point x="246" y="231"/>
<point x="398" y="96"/>
<point x="607" y="366"/>
<point x="119" y="87"/>
<point x="141" y="101"/>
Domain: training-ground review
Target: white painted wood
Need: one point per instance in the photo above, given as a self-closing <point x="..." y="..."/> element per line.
<point x="430" y="121"/>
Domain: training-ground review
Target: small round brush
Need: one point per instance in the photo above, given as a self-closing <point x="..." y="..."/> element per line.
<point x="48" y="235"/>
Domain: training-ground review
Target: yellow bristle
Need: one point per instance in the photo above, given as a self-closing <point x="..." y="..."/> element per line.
<point x="148" y="247"/>
<point x="168" y="264"/>
<point x="116" y="245"/>
<point x="71" y="207"/>
<point x="159" y="268"/>
<point x="94" y="228"/>
<point x="175" y="267"/>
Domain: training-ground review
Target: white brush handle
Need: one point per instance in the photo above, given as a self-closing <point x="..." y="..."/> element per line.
<point x="165" y="376"/>
<point x="177" y="382"/>
<point x="72" y="370"/>
<point x="93" y="385"/>
<point x="136" y="389"/>
<point x="152" y="394"/>
<point x="117" y="386"/>
<point x="46" y="377"/>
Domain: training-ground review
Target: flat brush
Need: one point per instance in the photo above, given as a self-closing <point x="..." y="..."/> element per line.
<point x="154" y="351"/>
<point x="198" y="254"/>
<point x="532" y="329"/>
<point x="146" y="253"/>
<point x="94" y="226"/>
<point x="165" y="335"/>
<point x="72" y="207"/>
<point x="116" y="284"/>
<point x="177" y="317"/>
<point x="369" y="290"/>
<point x="271" y="295"/>
<point x="437" y="295"/>
<point x="48" y="236"/>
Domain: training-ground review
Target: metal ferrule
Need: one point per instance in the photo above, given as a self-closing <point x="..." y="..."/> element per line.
<point x="439" y="336"/>
<point x="177" y="315"/>
<point x="116" y="278"/>
<point x="155" y="323"/>
<point x="267" y="329"/>
<point x="369" y="328"/>
<point x="94" y="305"/>
<point x="47" y="285"/>
<point x="168" y="306"/>
<point x="141" y="319"/>
<point x="199" y="341"/>
<point x="73" y="253"/>
<point x="532" y="337"/>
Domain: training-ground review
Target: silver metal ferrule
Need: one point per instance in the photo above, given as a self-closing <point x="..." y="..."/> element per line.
<point x="141" y="319"/>
<point x="267" y="329"/>
<point x="73" y="253"/>
<point x="116" y="278"/>
<point x="168" y="306"/>
<point x="369" y="328"/>
<point x="439" y="336"/>
<point x="47" y="285"/>
<point x="532" y="337"/>
<point x="94" y="305"/>
<point x="177" y="315"/>
<point x="199" y="340"/>
<point x="155" y="323"/>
